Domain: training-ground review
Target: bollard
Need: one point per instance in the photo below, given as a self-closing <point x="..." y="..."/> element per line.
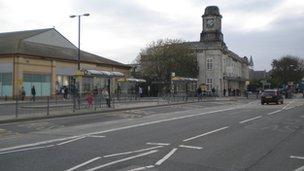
<point x="16" y="109"/>
<point x="48" y="106"/>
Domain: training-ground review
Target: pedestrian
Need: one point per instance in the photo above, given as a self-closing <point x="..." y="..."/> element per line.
<point x="33" y="92"/>
<point x="22" y="93"/>
<point x="105" y="95"/>
<point x="140" y="91"/>
<point x="224" y="92"/>
<point x="90" y="100"/>
<point x="65" y="93"/>
<point x="199" y="94"/>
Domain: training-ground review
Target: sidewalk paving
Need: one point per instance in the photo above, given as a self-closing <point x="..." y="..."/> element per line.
<point x="64" y="108"/>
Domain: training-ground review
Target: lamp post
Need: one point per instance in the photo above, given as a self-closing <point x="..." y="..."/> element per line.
<point x="78" y="52"/>
<point x="76" y="86"/>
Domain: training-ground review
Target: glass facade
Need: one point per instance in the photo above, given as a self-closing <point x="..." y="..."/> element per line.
<point x="6" y="88"/>
<point x="42" y="83"/>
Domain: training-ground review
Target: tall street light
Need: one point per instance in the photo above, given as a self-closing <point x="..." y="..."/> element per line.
<point x="78" y="52"/>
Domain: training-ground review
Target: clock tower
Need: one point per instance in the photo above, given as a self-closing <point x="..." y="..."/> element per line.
<point x="212" y="25"/>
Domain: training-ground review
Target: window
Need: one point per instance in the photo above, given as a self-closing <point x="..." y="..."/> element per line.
<point x="209" y="64"/>
<point x="209" y="84"/>
<point x="5" y="84"/>
<point x="42" y="83"/>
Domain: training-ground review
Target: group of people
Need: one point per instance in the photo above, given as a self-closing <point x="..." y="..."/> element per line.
<point x="234" y="92"/>
<point x="93" y="96"/>
<point x="33" y="93"/>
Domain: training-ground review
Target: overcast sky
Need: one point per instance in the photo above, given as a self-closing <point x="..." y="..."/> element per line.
<point x="118" y="29"/>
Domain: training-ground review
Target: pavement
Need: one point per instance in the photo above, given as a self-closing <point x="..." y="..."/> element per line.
<point x="28" y="110"/>
<point x="216" y="136"/>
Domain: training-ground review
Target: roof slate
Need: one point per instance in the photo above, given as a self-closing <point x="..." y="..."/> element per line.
<point x="13" y="43"/>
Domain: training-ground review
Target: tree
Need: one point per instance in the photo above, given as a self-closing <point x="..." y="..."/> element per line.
<point x="159" y="59"/>
<point x="287" y="69"/>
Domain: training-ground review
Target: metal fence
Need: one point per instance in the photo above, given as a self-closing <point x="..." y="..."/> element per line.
<point x="14" y="109"/>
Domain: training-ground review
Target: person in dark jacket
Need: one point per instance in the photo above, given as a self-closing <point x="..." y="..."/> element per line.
<point x="33" y="92"/>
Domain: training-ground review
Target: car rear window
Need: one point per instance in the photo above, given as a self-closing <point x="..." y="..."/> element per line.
<point x="269" y="93"/>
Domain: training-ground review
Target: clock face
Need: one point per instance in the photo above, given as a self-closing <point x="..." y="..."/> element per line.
<point x="210" y="23"/>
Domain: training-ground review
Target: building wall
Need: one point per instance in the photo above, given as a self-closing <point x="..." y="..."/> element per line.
<point x="29" y="65"/>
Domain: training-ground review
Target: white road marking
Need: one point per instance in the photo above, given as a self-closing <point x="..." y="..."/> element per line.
<point x="300" y="169"/>
<point x="191" y="147"/>
<point x="122" y="160"/>
<point x="116" y="129"/>
<point x="207" y="133"/>
<point x="131" y="152"/>
<point x="83" y="164"/>
<point x="288" y="104"/>
<point x="66" y="142"/>
<point x="96" y="136"/>
<point x="166" y="157"/>
<point x="251" y="119"/>
<point x="274" y="112"/>
<point x="161" y="144"/>
<point x="290" y="108"/>
<point x="297" y="157"/>
<point x="24" y="149"/>
<point x="142" y="168"/>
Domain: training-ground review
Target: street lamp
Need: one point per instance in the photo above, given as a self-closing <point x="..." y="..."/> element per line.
<point x="78" y="52"/>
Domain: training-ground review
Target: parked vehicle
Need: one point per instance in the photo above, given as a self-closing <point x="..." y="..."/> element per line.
<point x="272" y="96"/>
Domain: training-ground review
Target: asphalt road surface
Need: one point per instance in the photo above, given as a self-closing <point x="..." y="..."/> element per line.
<point x="213" y="136"/>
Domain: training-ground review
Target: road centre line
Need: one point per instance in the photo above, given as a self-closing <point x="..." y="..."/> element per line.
<point x="297" y="157"/>
<point x="161" y="144"/>
<point x="117" y="129"/>
<point x="191" y="147"/>
<point x="204" y="134"/>
<point x="251" y="119"/>
<point x="122" y="160"/>
<point x="131" y="152"/>
<point x="142" y="168"/>
<point x="83" y="164"/>
<point x="274" y="112"/>
<point x="166" y="157"/>
<point x="66" y="142"/>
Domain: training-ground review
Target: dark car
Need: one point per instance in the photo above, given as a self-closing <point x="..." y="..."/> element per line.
<point x="272" y="96"/>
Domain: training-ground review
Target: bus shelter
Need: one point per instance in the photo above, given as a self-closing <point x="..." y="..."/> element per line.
<point x="183" y="86"/>
<point x="130" y="87"/>
<point x="94" y="81"/>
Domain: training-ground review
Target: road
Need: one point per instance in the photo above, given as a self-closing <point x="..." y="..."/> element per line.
<point x="221" y="136"/>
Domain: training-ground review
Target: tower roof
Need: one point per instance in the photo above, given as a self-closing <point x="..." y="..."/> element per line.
<point x="212" y="10"/>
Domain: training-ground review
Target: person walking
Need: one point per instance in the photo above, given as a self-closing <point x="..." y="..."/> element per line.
<point x="199" y="94"/>
<point x="105" y="95"/>
<point x="33" y="92"/>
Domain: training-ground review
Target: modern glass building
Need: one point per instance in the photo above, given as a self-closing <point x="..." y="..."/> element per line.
<point x="47" y="60"/>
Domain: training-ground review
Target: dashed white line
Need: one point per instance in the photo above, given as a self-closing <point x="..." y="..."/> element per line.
<point x="161" y="144"/>
<point x="66" y="142"/>
<point x="251" y="119"/>
<point x="83" y="164"/>
<point x="131" y="152"/>
<point x="96" y="136"/>
<point x="274" y="112"/>
<point x="166" y="157"/>
<point x="297" y="157"/>
<point x="191" y="147"/>
<point x="207" y="133"/>
<point x="122" y="160"/>
<point x="142" y="168"/>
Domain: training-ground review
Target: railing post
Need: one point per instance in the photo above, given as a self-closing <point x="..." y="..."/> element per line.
<point x="48" y="106"/>
<point x="16" y="108"/>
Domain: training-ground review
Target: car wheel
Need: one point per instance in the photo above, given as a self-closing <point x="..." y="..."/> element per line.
<point x="262" y="103"/>
<point x="282" y="102"/>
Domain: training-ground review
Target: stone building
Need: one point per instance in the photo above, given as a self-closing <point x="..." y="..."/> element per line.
<point x="219" y="67"/>
<point x="46" y="59"/>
